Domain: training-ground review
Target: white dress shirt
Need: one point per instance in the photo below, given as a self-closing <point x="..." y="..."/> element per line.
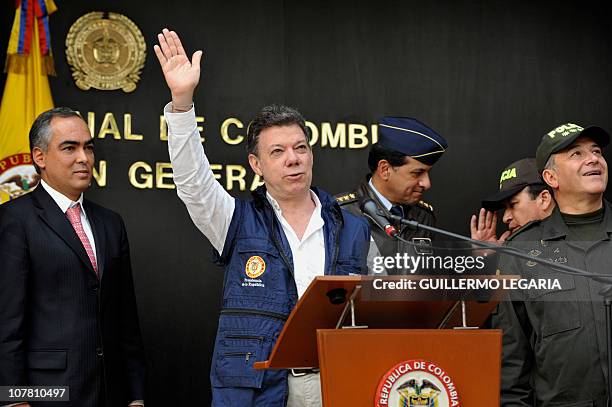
<point x="64" y="204"/>
<point x="211" y="208"/>
<point x="309" y="252"/>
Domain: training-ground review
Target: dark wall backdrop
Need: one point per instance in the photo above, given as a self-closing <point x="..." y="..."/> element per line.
<point x="491" y="76"/>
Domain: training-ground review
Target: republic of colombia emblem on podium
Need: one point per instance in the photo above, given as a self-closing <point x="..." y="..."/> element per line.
<point x="416" y="383"/>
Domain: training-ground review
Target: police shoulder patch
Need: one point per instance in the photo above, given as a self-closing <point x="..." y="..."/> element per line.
<point x="425" y="205"/>
<point x="346" y="198"/>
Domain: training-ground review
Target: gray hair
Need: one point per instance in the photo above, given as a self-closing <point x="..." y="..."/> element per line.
<point x="273" y="115"/>
<point x="550" y="163"/>
<point x="40" y="132"/>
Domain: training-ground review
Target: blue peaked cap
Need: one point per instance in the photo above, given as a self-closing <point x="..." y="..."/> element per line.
<point x="412" y="138"/>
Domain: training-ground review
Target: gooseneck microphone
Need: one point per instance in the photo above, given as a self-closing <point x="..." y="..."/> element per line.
<point x="370" y="209"/>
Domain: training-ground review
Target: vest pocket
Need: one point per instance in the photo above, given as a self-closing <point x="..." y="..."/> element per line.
<point x="236" y="353"/>
<point x="257" y="271"/>
<point x="554" y="310"/>
<point x="349" y="266"/>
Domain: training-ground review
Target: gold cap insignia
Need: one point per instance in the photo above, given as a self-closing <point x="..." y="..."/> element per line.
<point x="106" y="51"/>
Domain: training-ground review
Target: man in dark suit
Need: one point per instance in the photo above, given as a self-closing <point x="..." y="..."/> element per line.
<point x="67" y="306"/>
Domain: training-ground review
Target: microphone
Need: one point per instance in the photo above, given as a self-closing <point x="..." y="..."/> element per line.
<point x="370" y="209"/>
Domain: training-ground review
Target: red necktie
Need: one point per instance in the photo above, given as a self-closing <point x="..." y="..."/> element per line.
<point x="74" y="216"/>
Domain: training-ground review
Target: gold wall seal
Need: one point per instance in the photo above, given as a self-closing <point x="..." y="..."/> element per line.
<point x="105" y="51"/>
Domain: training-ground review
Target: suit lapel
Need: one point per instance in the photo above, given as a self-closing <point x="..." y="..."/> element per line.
<point x="99" y="233"/>
<point x="52" y="215"/>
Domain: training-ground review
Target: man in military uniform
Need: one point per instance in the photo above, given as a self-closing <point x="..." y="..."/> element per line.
<point x="554" y="342"/>
<point x="523" y="196"/>
<point x="399" y="165"/>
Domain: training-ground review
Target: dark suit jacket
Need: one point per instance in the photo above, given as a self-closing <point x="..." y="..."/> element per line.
<point x="59" y="324"/>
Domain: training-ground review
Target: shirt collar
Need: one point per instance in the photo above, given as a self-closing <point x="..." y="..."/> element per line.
<point x="278" y="210"/>
<point x="60" y="199"/>
<point x="388" y="205"/>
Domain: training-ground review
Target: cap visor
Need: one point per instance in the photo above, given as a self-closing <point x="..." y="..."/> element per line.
<point x="601" y="137"/>
<point x="496" y="201"/>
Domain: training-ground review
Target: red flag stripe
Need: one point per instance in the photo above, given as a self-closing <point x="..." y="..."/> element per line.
<point x="29" y="26"/>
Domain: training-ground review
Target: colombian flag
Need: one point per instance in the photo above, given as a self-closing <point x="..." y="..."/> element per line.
<point x="26" y="93"/>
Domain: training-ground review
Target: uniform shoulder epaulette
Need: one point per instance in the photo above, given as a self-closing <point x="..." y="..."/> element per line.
<point x="523" y="228"/>
<point x="346" y="198"/>
<point x="425" y="205"/>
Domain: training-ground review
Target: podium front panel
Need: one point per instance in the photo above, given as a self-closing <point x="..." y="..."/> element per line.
<point x="354" y="362"/>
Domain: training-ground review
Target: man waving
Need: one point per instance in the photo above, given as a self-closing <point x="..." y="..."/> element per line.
<point x="271" y="246"/>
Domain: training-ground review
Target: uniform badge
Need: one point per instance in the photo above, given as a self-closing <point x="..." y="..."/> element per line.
<point x="535" y="253"/>
<point x="531" y="263"/>
<point x="543" y="243"/>
<point x="255" y="267"/>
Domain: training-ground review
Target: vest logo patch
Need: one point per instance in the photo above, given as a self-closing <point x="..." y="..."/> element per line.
<point x="413" y="383"/>
<point x="255" y="267"/>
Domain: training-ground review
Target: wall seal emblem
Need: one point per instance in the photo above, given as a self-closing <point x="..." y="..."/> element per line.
<point x="105" y="51"/>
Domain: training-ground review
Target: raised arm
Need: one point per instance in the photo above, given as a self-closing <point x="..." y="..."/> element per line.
<point x="209" y="205"/>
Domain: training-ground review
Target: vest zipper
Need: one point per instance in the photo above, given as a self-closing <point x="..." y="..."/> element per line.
<point x="242" y="311"/>
<point x="247" y="355"/>
<point x="279" y="247"/>
<point x="336" y="248"/>
<point x="282" y="252"/>
<point x="259" y="338"/>
<point x="272" y="227"/>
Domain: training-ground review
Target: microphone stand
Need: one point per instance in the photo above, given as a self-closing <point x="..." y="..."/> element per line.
<point x="606" y="280"/>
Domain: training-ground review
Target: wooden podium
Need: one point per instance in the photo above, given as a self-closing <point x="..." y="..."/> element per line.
<point x="354" y="360"/>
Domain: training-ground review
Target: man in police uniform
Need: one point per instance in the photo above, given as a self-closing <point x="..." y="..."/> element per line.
<point x="554" y="342"/>
<point x="399" y="163"/>
<point x="523" y="196"/>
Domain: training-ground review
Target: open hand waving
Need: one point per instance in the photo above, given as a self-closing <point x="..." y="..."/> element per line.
<point x="181" y="74"/>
